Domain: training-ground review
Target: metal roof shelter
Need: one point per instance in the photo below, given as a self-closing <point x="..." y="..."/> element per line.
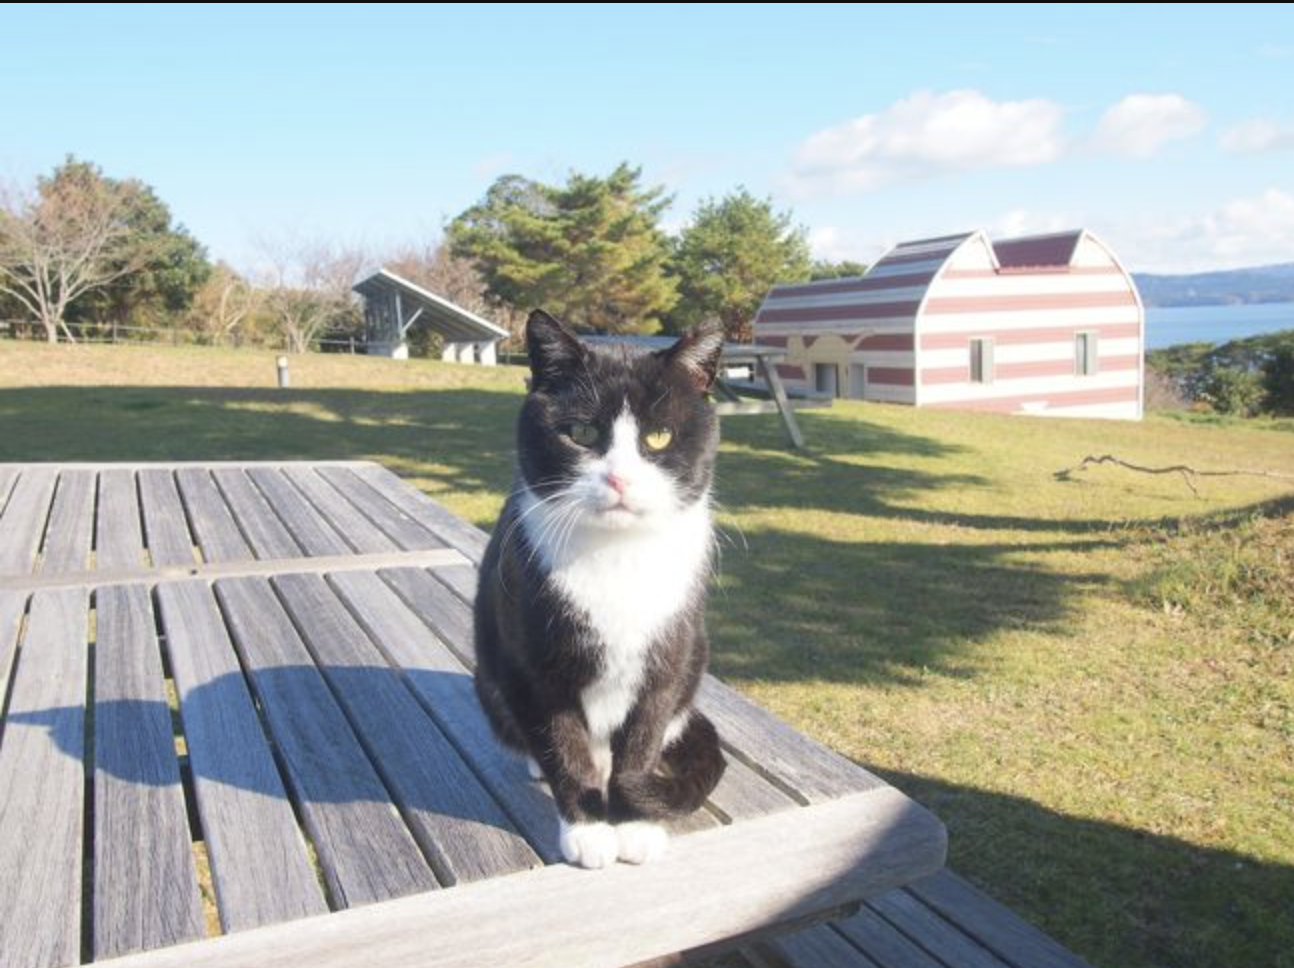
<point x="393" y="304"/>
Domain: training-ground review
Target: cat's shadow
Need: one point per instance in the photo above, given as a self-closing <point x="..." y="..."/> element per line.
<point x="323" y="755"/>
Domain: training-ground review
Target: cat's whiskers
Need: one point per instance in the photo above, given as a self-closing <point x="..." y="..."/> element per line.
<point x="557" y="495"/>
<point x="539" y="502"/>
<point x="564" y="539"/>
<point x="719" y="536"/>
<point x="553" y="520"/>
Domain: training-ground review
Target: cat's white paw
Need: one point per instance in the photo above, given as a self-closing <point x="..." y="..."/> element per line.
<point x="533" y="768"/>
<point x="592" y="845"/>
<point x="640" y="841"/>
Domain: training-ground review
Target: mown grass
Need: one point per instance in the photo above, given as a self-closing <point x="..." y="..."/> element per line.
<point x="1089" y="680"/>
<point x="1265" y="422"/>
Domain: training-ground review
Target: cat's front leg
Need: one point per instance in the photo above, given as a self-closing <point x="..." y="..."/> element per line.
<point x="640" y="837"/>
<point x="563" y="751"/>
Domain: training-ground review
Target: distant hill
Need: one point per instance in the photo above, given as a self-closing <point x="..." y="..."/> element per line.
<point x="1259" y="284"/>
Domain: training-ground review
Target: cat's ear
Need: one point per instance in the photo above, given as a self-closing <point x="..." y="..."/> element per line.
<point x="697" y="353"/>
<point x="553" y="349"/>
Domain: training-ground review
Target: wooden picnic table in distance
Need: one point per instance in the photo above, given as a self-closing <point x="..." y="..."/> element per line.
<point x="266" y="667"/>
<point x="765" y="380"/>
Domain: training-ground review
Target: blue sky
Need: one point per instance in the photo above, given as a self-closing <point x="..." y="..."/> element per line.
<point x="1170" y="131"/>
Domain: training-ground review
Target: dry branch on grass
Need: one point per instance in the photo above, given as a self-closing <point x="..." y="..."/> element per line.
<point x="1188" y="473"/>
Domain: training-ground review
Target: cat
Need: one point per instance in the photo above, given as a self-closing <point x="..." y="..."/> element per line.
<point x="589" y="616"/>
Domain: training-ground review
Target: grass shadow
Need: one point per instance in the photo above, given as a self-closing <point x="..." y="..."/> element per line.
<point x="1117" y="896"/>
<point x="863" y="612"/>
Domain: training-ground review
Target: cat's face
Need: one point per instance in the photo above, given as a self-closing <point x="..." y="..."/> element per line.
<point x="616" y="438"/>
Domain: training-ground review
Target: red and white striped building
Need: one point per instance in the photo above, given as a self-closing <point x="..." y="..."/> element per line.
<point x="1044" y="324"/>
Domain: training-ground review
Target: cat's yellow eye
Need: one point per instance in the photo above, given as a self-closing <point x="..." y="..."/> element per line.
<point x="586" y="435"/>
<point x="658" y="439"/>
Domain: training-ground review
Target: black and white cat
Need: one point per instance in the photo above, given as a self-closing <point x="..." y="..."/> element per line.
<point x="590" y="632"/>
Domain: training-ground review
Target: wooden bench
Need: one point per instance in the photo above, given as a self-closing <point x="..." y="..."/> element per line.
<point x="266" y="669"/>
<point x="940" y="921"/>
<point x="734" y="397"/>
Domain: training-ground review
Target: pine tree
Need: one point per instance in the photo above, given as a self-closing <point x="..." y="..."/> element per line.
<point x="590" y="251"/>
<point x="734" y="251"/>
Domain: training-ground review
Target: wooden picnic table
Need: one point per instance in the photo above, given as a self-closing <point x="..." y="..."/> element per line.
<point x="762" y="361"/>
<point x="266" y="668"/>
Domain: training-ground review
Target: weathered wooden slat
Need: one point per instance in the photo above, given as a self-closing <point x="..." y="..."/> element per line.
<point x="12" y="606"/>
<point x="720" y="886"/>
<point x="258" y="858"/>
<point x="769" y="369"/>
<point x="173" y="465"/>
<point x="213" y="525"/>
<point x="230" y="569"/>
<point x="446" y="525"/>
<point x="118" y="540"/>
<point x="71" y="524"/>
<point x="460" y="579"/>
<point x="460" y="827"/>
<point x="364" y="850"/>
<point x="742" y="794"/>
<point x="449" y="617"/>
<point x="23" y="522"/>
<point x="801" y="764"/>
<point x="820" y="947"/>
<point x="920" y="924"/>
<point x="42" y="795"/>
<point x="261" y="526"/>
<point x="443" y="685"/>
<point x="145" y="883"/>
<point x="360" y="533"/>
<point x="883" y="942"/>
<point x="166" y="527"/>
<point x="396" y="523"/>
<point x="994" y="925"/>
<point x="8" y="475"/>
<point x="311" y="531"/>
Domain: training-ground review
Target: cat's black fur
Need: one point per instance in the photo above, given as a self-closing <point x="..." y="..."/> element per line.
<point x="536" y="652"/>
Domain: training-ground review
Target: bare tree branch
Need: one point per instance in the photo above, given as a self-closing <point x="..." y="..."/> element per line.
<point x="68" y="238"/>
<point x="1188" y="473"/>
<point x="224" y="303"/>
<point x="307" y="287"/>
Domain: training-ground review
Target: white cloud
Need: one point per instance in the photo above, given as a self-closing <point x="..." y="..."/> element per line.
<point x="490" y="166"/>
<point x="1257" y="134"/>
<point x="1021" y="221"/>
<point x="1245" y="231"/>
<point x="926" y="134"/>
<point x="1138" y="125"/>
<point x="834" y="244"/>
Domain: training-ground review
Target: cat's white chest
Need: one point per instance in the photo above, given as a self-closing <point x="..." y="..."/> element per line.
<point x="628" y="585"/>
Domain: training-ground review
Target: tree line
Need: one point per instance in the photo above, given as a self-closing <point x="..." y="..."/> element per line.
<point x="1243" y="377"/>
<point x="87" y="256"/>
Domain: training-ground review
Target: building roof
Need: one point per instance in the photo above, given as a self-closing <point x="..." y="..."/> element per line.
<point x="892" y="291"/>
<point x="449" y="319"/>
<point x="1052" y="251"/>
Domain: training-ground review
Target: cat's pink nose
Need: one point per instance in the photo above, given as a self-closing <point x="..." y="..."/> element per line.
<point x="617" y="483"/>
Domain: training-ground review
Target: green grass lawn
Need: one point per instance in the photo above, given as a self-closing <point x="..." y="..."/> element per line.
<point x="1091" y="682"/>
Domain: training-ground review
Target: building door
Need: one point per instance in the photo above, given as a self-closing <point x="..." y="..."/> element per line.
<point x="824" y="379"/>
<point x="857" y="381"/>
